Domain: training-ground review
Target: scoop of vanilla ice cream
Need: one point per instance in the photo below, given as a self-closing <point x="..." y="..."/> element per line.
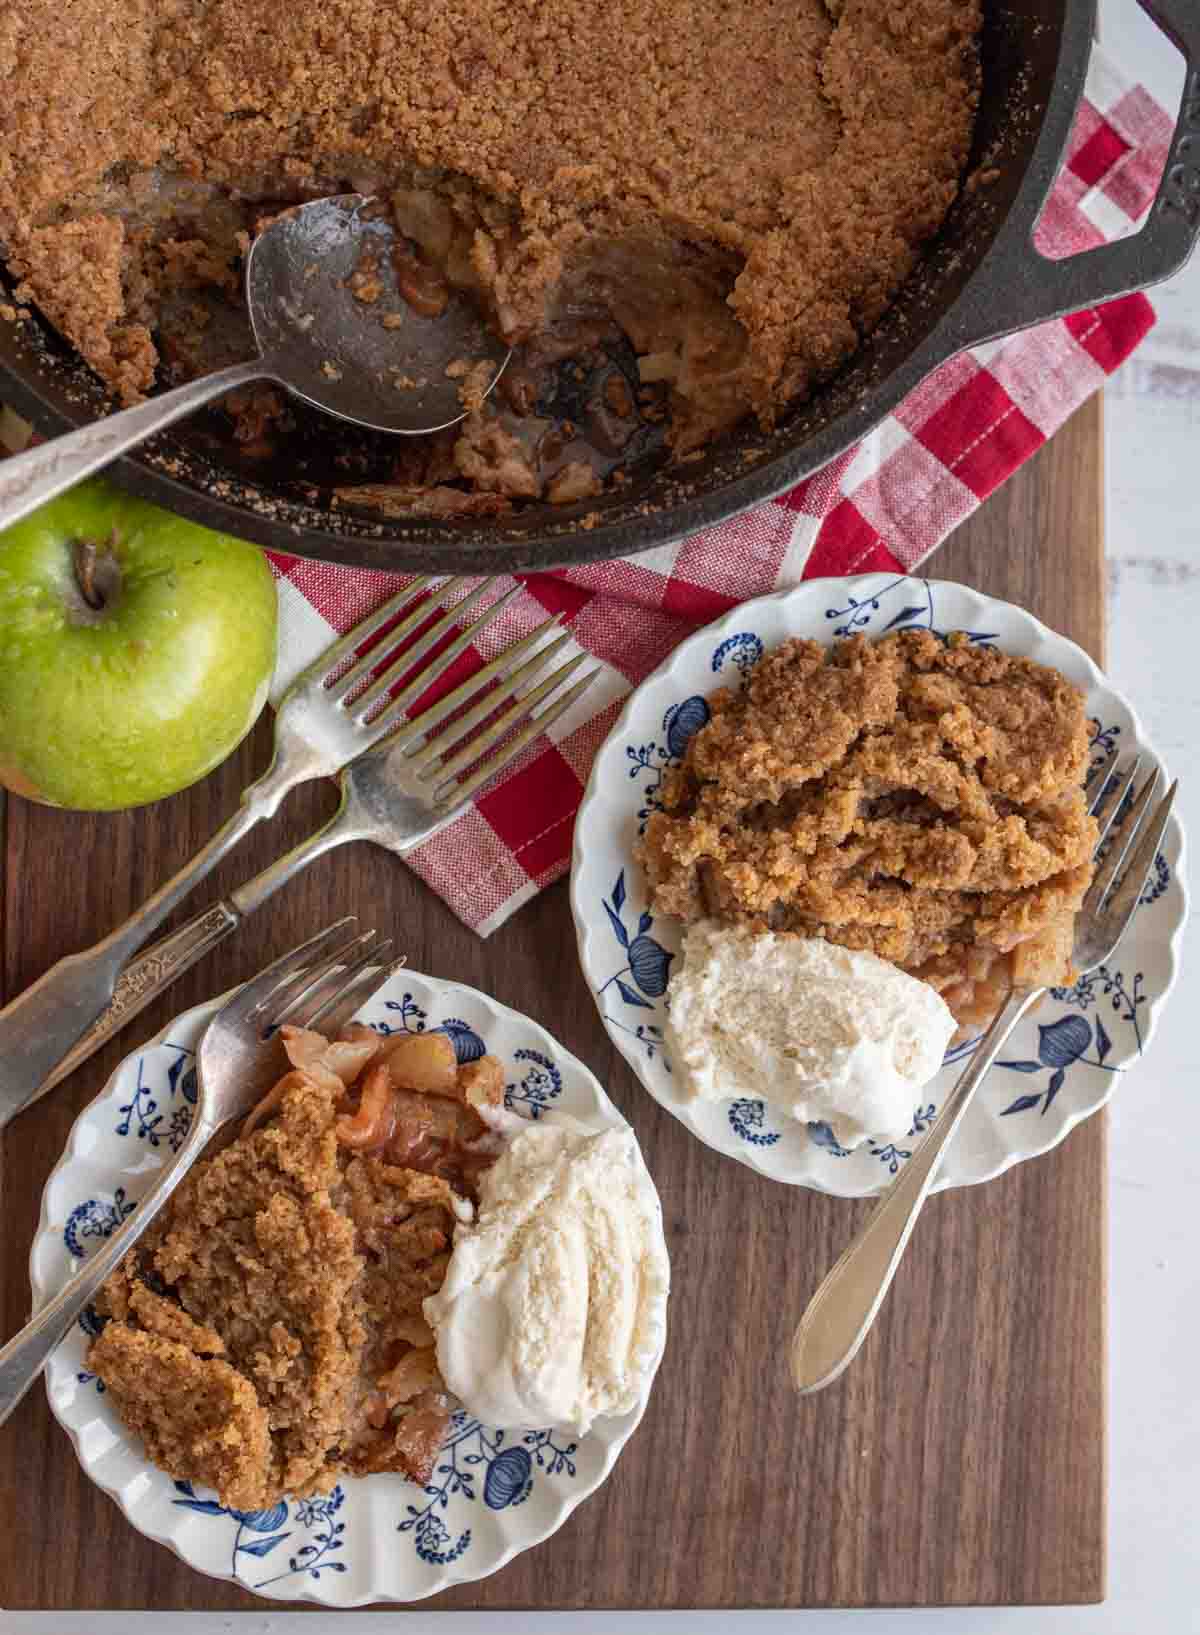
<point x="553" y="1310"/>
<point x="820" y="1033"/>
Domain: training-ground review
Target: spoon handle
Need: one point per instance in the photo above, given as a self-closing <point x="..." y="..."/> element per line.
<point x="839" y="1316"/>
<point x="49" y="469"/>
<point x="26" y="1354"/>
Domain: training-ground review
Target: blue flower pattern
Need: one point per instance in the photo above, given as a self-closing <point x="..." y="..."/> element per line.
<point x="1102" y="745"/>
<point x="892" y="1156"/>
<point x="743" y="651"/>
<point x="144" y="1113"/>
<point x="259" y="1532"/>
<point x="97" y="1219"/>
<point x="478" y="1462"/>
<point x="821" y="1135"/>
<point x="647" y="967"/>
<point x="679" y="724"/>
<point x="468" y="1046"/>
<point x="91" y="1322"/>
<point x="906" y="604"/>
<point x="410" y="1018"/>
<point x="748" y="1119"/>
<point x="540" y="1085"/>
<point x="1160" y="879"/>
<point x="1063" y="1043"/>
<point x="857" y="615"/>
<point x="887" y="1152"/>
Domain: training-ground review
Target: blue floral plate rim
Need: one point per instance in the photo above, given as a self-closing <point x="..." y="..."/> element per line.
<point x="493" y="1493"/>
<point x="1062" y="1064"/>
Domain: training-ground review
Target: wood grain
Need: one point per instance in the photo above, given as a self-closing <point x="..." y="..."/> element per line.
<point x="962" y="1457"/>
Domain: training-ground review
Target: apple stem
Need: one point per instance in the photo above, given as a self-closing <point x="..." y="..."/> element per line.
<point x="87" y="556"/>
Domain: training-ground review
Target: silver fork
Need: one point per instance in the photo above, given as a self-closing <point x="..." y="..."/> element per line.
<point x="325" y="718"/>
<point x="324" y="981"/>
<point x="396" y="795"/>
<point x="840" y="1314"/>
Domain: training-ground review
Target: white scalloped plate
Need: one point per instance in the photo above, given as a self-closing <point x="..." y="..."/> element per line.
<point x="1061" y="1064"/>
<point x="379" y="1538"/>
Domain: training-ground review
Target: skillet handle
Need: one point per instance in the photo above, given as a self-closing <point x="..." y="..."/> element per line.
<point x="1048" y="289"/>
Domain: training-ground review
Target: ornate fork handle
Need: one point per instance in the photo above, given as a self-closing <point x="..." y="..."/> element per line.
<point x="152" y="972"/>
<point x="51" y="1016"/>
<point x="146" y="976"/>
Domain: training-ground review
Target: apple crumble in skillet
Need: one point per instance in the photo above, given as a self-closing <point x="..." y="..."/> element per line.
<point x="697" y="208"/>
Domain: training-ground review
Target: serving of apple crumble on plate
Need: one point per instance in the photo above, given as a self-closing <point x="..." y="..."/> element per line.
<point x="896" y="766"/>
<point x="281" y="1300"/>
<point x="266" y="1335"/>
<point x="692" y="210"/>
<point x="916" y="798"/>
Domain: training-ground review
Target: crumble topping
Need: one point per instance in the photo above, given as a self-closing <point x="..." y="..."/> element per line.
<point x="919" y="800"/>
<point x="742" y="186"/>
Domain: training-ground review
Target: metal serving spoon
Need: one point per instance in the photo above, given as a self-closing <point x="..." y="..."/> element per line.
<point x="306" y="276"/>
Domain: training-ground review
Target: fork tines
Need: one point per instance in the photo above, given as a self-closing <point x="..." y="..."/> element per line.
<point x="479" y="755"/>
<point x="363" y="689"/>
<point x="1131" y="831"/>
<point x="1108" y="786"/>
<point x="373" y="703"/>
<point x="325" y="980"/>
<point x="363" y="686"/>
<point x="331" y="981"/>
<point x="494" y="717"/>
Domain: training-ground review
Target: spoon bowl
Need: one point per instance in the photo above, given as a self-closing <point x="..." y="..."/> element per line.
<point x="332" y="325"/>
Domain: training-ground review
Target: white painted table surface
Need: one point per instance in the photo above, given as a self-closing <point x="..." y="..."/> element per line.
<point x="1153" y="478"/>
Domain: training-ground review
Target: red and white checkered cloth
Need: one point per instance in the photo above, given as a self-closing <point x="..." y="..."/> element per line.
<point x="884" y="505"/>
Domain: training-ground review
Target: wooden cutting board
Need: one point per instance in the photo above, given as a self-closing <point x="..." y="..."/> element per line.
<point x="960" y="1460"/>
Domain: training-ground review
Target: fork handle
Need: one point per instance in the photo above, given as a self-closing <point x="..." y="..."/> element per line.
<point x="147" y="975"/>
<point x="151" y="973"/>
<point x="26" y="1354"/>
<point x="40" y="1026"/>
<point x="839" y="1316"/>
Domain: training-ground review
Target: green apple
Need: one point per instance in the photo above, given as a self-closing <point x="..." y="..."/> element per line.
<point x="135" y="650"/>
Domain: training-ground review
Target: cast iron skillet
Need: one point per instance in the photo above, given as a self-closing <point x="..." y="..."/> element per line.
<point x="982" y="278"/>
